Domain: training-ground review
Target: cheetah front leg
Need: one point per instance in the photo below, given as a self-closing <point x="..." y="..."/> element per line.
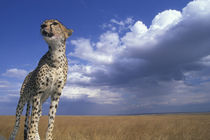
<point x="33" y="133"/>
<point x="51" y="116"/>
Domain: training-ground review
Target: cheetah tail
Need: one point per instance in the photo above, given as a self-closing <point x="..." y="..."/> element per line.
<point x="19" y="110"/>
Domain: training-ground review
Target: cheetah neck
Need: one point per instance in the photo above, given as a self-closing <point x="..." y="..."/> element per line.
<point x="57" y="49"/>
<point x="57" y="53"/>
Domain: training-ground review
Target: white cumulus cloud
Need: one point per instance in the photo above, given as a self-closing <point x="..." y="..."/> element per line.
<point x="92" y="94"/>
<point x="158" y="64"/>
<point x="14" y="72"/>
<point x="166" y="19"/>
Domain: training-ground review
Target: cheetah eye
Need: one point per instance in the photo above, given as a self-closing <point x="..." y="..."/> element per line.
<point x="55" y="23"/>
<point x="43" y="26"/>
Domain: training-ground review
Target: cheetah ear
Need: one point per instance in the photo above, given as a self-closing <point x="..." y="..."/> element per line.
<point x="69" y="32"/>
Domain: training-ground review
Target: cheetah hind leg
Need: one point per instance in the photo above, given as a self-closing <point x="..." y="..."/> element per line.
<point x="19" y="110"/>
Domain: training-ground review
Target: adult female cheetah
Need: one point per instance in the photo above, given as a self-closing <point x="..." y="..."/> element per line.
<point x="48" y="79"/>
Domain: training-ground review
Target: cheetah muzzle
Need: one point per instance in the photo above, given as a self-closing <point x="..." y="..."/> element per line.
<point x="47" y="80"/>
<point x="44" y="33"/>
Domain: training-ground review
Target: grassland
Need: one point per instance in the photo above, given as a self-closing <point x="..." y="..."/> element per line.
<point x="144" y="127"/>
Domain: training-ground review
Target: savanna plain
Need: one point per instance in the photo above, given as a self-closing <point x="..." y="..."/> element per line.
<point x="139" y="127"/>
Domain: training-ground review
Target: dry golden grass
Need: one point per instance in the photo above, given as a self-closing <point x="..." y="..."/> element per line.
<point x="145" y="127"/>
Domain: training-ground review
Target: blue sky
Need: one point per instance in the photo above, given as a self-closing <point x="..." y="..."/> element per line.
<point x="125" y="57"/>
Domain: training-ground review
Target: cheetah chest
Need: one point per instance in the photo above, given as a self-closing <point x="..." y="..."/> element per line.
<point x="54" y="82"/>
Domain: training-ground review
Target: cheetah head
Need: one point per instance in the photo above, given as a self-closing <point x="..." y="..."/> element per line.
<point x="53" y="31"/>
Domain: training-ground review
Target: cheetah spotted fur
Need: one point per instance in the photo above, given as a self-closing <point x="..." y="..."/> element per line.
<point x="47" y="80"/>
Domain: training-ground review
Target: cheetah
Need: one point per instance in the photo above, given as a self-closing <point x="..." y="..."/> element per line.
<point x="47" y="80"/>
